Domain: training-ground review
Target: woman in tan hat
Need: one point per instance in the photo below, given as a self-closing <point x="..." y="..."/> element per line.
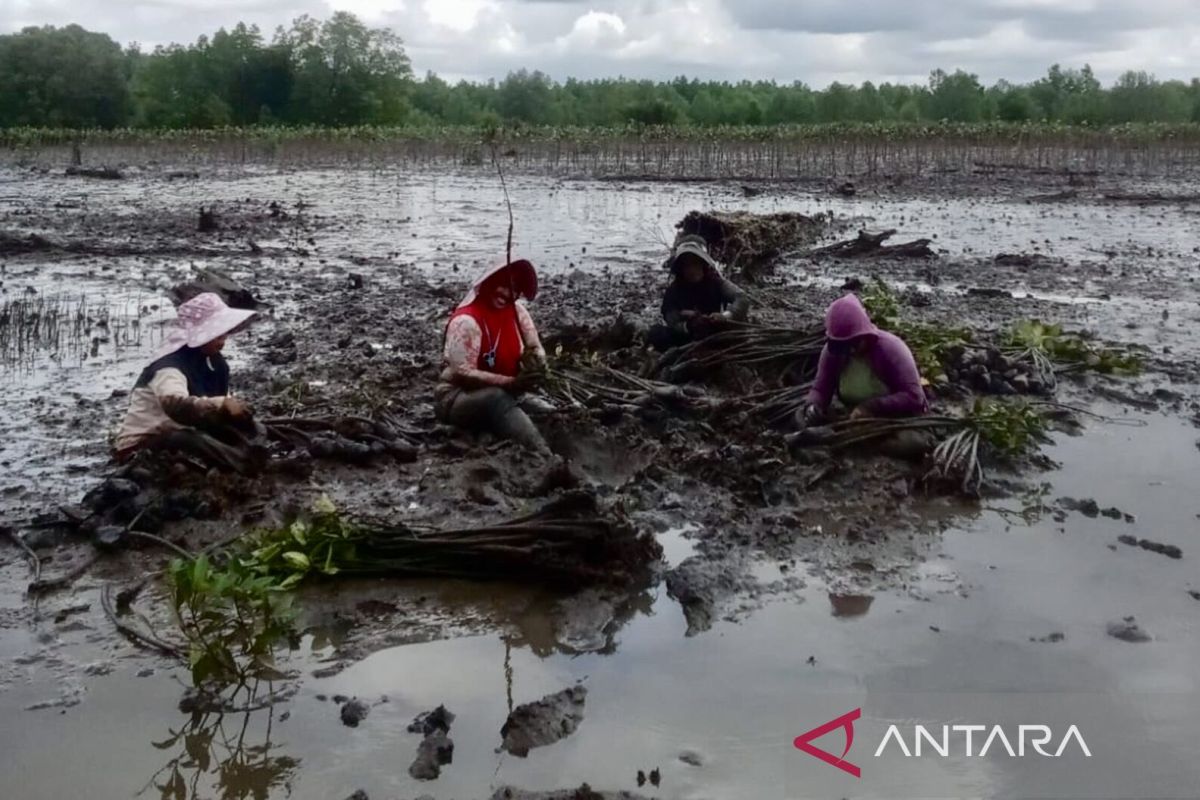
<point x="182" y="398"/>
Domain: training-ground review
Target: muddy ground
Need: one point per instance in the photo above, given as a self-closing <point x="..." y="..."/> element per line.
<point x="358" y="271"/>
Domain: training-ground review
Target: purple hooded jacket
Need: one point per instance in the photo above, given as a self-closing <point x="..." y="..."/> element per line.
<point x="887" y="354"/>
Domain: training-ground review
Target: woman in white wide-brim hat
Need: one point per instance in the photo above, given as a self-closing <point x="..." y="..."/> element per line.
<point x="183" y="395"/>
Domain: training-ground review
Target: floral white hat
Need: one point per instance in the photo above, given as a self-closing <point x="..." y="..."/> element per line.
<point x="201" y="320"/>
<point x="520" y="275"/>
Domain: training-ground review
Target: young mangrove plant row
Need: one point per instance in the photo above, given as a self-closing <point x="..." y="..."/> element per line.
<point x="776" y="152"/>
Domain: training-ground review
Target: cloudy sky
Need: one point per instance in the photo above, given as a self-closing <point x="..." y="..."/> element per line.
<point x="816" y="41"/>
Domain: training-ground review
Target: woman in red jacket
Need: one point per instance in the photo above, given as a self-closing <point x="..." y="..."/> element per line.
<point x="489" y="338"/>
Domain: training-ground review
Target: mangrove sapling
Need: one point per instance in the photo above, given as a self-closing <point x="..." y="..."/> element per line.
<point x="232" y="614"/>
<point x="1052" y="351"/>
<point x="991" y="427"/>
<point x="1006" y="429"/>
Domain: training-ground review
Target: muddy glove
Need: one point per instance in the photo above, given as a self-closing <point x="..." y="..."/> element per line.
<point x="809" y="415"/>
<point x="236" y="410"/>
<point x="527" y="380"/>
<point x="533" y="361"/>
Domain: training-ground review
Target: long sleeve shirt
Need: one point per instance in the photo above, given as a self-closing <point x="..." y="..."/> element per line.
<point x="714" y="295"/>
<point x="464" y="343"/>
<point x="161" y="406"/>
<point x="892" y="363"/>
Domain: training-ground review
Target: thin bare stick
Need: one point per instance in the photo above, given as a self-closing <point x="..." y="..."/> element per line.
<point x="147" y="640"/>
<point x="35" y="563"/>
<point x="507" y="203"/>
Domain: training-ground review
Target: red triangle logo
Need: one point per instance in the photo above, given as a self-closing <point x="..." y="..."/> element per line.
<point x="846" y="722"/>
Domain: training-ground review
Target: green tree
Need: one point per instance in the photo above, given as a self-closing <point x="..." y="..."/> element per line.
<point x="524" y="96"/>
<point x="957" y="98"/>
<point x="66" y="77"/>
<point x="836" y="104"/>
<point x="345" y="72"/>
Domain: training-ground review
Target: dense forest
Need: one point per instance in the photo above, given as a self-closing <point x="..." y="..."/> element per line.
<point x="340" y="72"/>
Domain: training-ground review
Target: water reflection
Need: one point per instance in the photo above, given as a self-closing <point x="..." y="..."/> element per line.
<point x="224" y="754"/>
<point x="586" y="622"/>
<point x="850" y="605"/>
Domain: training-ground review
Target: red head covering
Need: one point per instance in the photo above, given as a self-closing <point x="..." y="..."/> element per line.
<point x="502" y="342"/>
<point x="519" y="276"/>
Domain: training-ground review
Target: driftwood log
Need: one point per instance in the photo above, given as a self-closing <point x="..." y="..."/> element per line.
<point x="103" y="173"/>
<point x="870" y="244"/>
<point x="212" y="280"/>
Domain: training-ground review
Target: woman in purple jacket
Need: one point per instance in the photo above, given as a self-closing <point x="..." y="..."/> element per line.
<point x="872" y="371"/>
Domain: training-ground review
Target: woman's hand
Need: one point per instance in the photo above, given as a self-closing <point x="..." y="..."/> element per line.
<point x="861" y="412"/>
<point x="234" y="408"/>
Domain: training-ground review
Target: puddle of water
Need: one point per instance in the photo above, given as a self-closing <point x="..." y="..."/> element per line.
<point x="677" y="544"/>
<point x="739" y="694"/>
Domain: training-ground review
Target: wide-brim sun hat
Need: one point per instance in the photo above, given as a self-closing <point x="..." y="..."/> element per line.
<point x="203" y="319"/>
<point x="693" y="248"/>
<point x="521" y="277"/>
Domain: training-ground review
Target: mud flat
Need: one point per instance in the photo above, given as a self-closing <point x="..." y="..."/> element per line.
<point x="793" y="588"/>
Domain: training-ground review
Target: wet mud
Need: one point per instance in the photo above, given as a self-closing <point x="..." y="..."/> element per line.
<point x="356" y="273"/>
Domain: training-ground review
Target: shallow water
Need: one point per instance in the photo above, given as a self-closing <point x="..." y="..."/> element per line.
<point x="737" y="695"/>
<point x="740" y="693"/>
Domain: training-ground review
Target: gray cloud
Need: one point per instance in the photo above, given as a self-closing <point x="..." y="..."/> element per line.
<point x="815" y="41"/>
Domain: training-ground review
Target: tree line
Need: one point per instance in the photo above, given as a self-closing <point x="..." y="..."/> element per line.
<point x="340" y="72"/>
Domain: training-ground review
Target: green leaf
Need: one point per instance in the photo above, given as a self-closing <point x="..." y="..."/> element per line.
<point x="299" y="532"/>
<point x="297" y="560"/>
<point x="324" y="505"/>
<point x="291" y="581"/>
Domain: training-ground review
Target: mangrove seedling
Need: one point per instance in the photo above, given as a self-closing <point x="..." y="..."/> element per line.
<point x="1053" y="351"/>
<point x="232" y="616"/>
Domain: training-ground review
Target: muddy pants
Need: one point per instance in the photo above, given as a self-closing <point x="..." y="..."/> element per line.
<point x="209" y="449"/>
<point x="664" y="337"/>
<point x="491" y="410"/>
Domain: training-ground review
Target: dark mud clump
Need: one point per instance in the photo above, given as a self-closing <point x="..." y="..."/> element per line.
<point x="230" y="290"/>
<point x="1127" y="630"/>
<point x="1168" y="550"/>
<point x="1089" y="507"/>
<point x="435" y="751"/>
<point x="353" y="712"/>
<point x="702" y="586"/>
<point x="584" y="792"/>
<point x="440" y="719"/>
<point x="543" y="722"/>
<point x="750" y="243"/>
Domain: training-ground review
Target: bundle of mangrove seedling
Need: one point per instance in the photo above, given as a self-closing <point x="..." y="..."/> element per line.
<point x="568" y="542"/>
<point x="351" y="439"/>
<point x="234" y="605"/>
<point x="603" y="387"/>
<point x="1051" y="352"/>
<point x="789" y="352"/>
<point x="991" y="427"/>
<point x="778" y="407"/>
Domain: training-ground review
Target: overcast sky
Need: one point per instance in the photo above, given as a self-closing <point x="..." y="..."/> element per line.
<point x="817" y="41"/>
